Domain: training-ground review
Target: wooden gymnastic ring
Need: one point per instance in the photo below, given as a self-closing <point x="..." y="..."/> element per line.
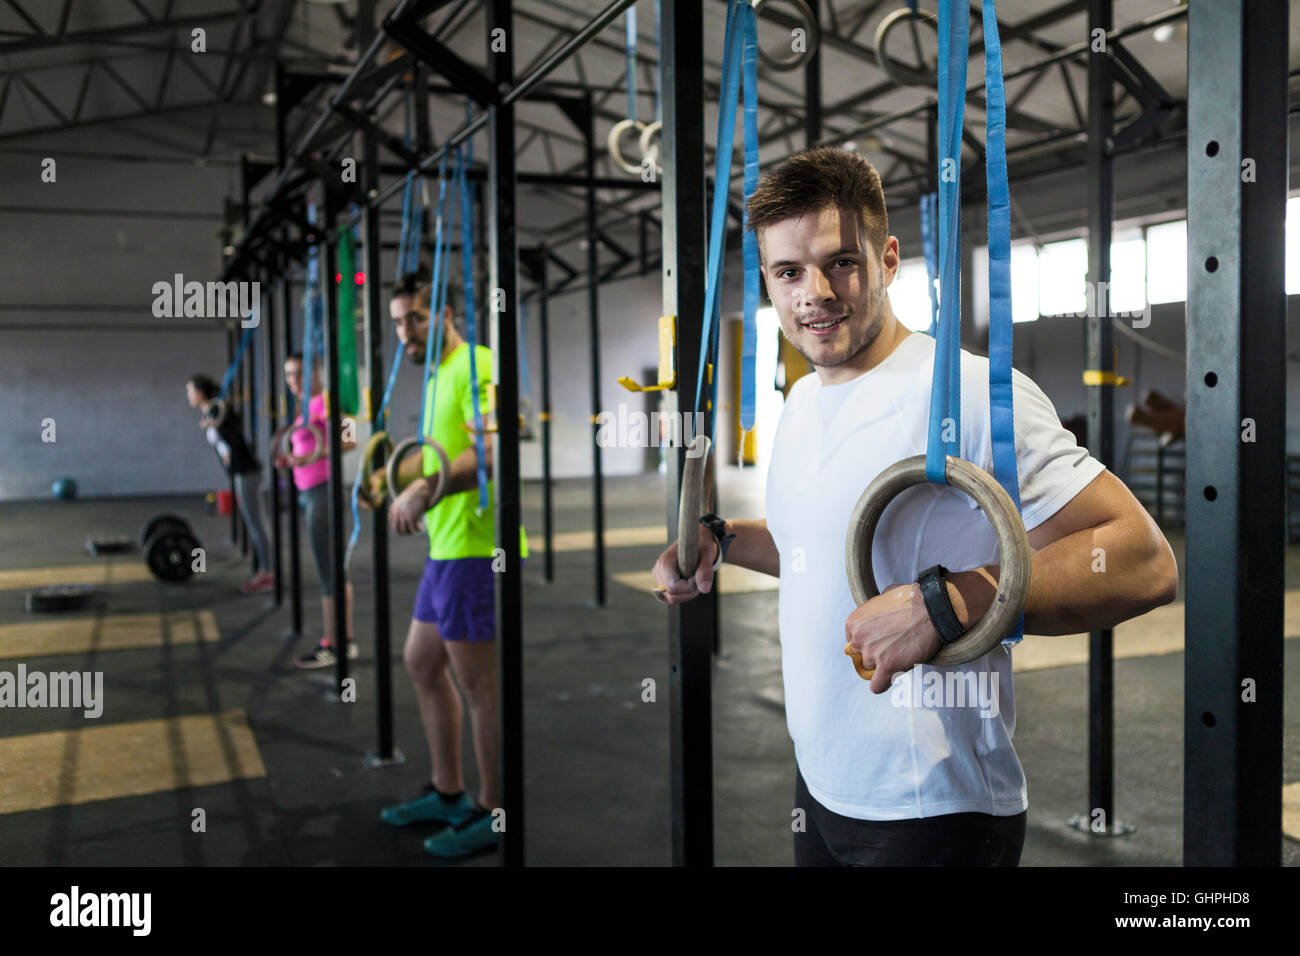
<point x="611" y="143"/>
<point x="217" y="418"/>
<point x="813" y="30"/>
<point x="689" y="511"/>
<point x="649" y="148"/>
<point x="1013" y="579"/>
<point x="903" y="75"/>
<point x="377" y="441"/>
<point x="405" y="448"/>
<point x="286" y="447"/>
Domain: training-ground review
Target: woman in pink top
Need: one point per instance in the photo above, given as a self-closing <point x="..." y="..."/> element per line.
<point x="312" y="482"/>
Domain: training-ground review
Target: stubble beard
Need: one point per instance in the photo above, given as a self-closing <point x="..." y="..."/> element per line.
<point x="860" y="338"/>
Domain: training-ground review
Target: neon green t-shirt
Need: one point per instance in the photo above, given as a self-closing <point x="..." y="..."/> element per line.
<point x="456" y="528"/>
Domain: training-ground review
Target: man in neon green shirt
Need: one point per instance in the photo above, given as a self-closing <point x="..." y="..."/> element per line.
<point x="453" y="626"/>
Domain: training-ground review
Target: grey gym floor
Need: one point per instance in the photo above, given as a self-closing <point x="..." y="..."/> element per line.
<point x="596" y="757"/>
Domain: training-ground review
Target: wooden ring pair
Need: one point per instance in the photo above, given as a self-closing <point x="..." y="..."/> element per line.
<point x="646" y="133"/>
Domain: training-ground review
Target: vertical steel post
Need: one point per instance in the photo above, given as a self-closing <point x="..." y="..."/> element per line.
<point x="1101" y="411"/>
<point x="503" y="281"/>
<point x="544" y="320"/>
<point x="286" y="292"/>
<point x="593" y="310"/>
<point x="295" y="557"/>
<point x="1236" y="432"/>
<point x="812" y="87"/>
<point x="272" y="424"/>
<point x="376" y="322"/>
<point x="232" y="399"/>
<point x="690" y="625"/>
<point x="333" y="430"/>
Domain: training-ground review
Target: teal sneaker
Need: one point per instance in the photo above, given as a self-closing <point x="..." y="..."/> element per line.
<point x="470" y="835"/>
<point x="430" y="808"/>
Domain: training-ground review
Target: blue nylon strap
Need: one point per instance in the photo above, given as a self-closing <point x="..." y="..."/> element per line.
<point x="438" y="300"/>
<point x="659" y="109"/>
<point x="244" y="339"/>
<point x="630" y="48"/>
<point x="471" y="322"/>
<point x="415" y="234"/>
<point x="929" y="205"/>
<point x="945" y="392"/>
<point x="1001" y="326"/>
<point x="311" y="306"/>
<point x="731" y="64"/>
<point x="403" y="238"/>
<point x="749" y="341"/>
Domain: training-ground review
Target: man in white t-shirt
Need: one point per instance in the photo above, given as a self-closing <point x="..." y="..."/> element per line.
<point x="916" y="768"/>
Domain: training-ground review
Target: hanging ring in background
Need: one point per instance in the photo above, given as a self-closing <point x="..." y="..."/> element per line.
<point x="924" y="73"/>
<point x="612" y="144"/>
<point x="812" y="35"/>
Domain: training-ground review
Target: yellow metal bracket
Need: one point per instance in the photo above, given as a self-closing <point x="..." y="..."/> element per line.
<point x="1096" y="376"/>
<point x="667" y="368"/>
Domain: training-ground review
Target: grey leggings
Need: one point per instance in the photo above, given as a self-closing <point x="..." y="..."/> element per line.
<point x="248" y="487"/>
<point x="315" y="502"/>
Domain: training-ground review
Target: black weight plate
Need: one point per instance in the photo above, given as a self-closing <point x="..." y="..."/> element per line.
<point x="169" y="555"/>
<point x="119" y="544"/>
<point x="158" y="522"/>
<point x="68" y="597"/>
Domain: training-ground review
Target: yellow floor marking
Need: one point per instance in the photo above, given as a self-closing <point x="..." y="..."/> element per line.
<point x="1157" y="632"/>
<point x="101" y="573"/>
<point x="112" y="632"/>
<point x="104" y="762"/>
<point x="614" y="538"/>
<point x="732" y="579"/>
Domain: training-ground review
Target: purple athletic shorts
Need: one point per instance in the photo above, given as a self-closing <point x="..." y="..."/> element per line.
<point x="459" y="596"/>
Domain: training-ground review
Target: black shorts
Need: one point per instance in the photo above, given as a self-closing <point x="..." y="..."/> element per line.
<point x="953" y="839"/>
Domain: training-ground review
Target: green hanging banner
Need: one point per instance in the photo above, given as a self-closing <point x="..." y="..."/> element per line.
<point x="349" y="399"/>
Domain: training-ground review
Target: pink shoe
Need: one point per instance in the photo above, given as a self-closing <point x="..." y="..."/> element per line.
<point x="259" y="583"/>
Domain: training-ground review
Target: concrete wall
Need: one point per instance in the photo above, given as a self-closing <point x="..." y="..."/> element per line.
<point x="80" y="256"/>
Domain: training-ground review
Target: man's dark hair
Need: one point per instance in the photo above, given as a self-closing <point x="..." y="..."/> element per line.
<point x="419" y="284"/>
<point x="816" y="179"/>
<point x="204" y="385"/>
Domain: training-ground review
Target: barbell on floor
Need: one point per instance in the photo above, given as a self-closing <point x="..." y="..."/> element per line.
<point x="168" y="545"/>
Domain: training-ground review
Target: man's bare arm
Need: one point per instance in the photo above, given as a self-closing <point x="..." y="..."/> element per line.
<point x="1098" y="561"/>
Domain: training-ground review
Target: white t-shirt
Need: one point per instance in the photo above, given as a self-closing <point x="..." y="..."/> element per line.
<point x="883" y="757"/>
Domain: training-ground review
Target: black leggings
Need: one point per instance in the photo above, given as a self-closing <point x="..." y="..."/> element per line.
<point x="954" y="839"/>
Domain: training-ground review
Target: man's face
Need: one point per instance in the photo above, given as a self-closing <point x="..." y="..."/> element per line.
<point x="193" y="395"/>
<point x="827" y="283"/>
<point x="412" y="324"/>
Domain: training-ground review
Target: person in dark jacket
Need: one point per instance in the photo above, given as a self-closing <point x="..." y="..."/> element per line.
<point x="227" y="440"/>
